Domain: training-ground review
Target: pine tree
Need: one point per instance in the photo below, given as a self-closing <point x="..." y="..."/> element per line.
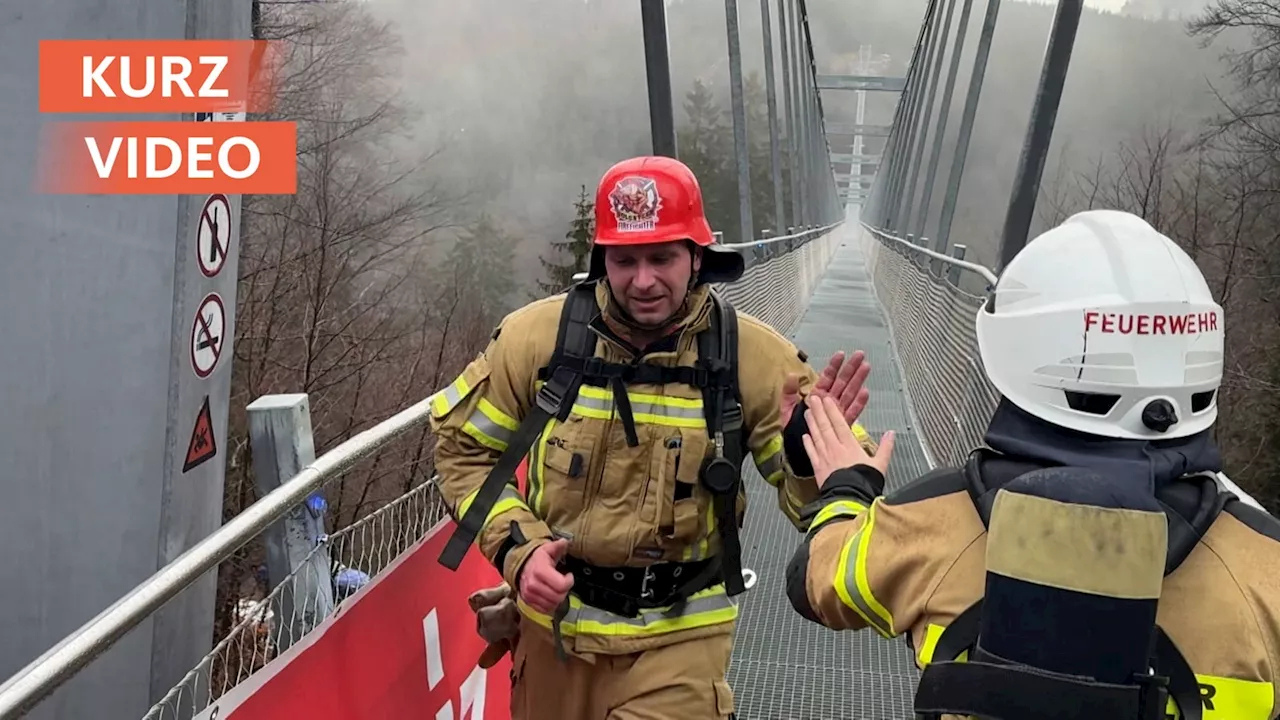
<point x="481" y="261"/>
<point x="705" y="144"/>
<point x="577" y="244"/>
<point x="760" y="155"/>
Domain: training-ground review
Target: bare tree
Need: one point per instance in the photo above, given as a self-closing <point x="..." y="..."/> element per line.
<point x="1215" y="200"/>
<point x="340" y="288"/>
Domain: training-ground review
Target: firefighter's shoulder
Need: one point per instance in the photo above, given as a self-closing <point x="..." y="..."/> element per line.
<point x="759" y="340"/>
<point x="531" y="322"/>
<point x="1258" y="525"/>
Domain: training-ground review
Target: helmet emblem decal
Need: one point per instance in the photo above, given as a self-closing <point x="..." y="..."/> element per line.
<point x="635" y="203"/>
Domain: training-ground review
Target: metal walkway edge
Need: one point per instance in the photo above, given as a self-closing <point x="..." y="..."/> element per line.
<point x="785" y="667"/>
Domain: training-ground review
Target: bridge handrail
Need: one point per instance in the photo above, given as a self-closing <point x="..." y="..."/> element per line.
<point x="32" y="684"/>
<point x="766" y="249"/>
<point x="982" y="270"/>
<point x="44" y="674"/>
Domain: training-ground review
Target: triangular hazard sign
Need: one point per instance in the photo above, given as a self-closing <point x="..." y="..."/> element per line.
<point x="202" y="446"/>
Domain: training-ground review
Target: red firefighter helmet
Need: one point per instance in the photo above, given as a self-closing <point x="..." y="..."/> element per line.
<point x="654" y="199"/>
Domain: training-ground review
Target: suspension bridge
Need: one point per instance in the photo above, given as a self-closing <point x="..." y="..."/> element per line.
<point x="861" y="263"/>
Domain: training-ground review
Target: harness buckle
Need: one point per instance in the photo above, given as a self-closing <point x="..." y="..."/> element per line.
<point x="732" y="416"/>
<point x="548" y="399"/>
<point x="646" y="592"/>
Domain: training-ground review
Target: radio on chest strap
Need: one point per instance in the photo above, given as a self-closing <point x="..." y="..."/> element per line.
<point x="573" y="363"/>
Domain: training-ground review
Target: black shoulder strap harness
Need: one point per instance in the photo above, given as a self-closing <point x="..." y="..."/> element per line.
<point x="574" y="364"/>
<point x="970" y="688"/>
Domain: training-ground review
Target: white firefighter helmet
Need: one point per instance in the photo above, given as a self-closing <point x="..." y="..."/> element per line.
<point x="1105" y="326"/>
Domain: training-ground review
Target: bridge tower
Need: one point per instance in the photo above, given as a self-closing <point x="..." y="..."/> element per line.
<point x="116" y="317"/>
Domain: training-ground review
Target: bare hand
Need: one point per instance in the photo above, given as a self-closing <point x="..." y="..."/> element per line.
<point x="542" y="586"/>
<point x="831" y="445"/>
<point x="843" y="380"/>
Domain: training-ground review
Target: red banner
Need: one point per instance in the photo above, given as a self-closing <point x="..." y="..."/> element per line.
<point x="404" y="646"/>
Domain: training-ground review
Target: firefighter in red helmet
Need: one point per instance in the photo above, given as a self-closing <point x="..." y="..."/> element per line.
<point x="636" y="396"/>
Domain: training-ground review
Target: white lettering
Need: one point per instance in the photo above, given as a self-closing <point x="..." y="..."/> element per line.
<point x="103" y="167"/>
<point x="224" y="162"/>
<point x="175" y="72"/>
<point x="196" y="152"/>
<point x="126" y="78"/>
<point x="219" y="63"/>
<point x="194" y="156"/>
<point x="93" y="76"/>
<point x="471" y="692"/>
<point x="431" y="632"/>
<point x="169" y="78"/>
<point x="175" y="157"/>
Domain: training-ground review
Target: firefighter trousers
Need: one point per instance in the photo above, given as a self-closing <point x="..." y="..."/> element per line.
<point x="684" y="681"/>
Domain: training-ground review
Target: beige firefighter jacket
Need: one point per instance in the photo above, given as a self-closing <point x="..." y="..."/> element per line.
<point x="616" y="503"/>
<point x="912" y="561"/>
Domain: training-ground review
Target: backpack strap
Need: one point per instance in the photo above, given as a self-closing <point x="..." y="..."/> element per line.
<point x="574" y="341"/>
<point x="961" y="634"/>
<point x="1183" y="687"/>
<point x="722" y="472"/>
<point x="991" y="689"/>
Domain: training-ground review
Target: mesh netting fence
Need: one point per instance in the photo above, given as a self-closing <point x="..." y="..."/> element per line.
<point x="776" y="288"/>
<point x="930" y="314"/>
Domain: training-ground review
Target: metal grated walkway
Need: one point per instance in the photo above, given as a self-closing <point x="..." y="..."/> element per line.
<point x="785" y="667"/>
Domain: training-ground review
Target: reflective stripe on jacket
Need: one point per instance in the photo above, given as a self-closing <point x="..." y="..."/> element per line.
<point x="619" y="505"/>
<point x="912" y="561"/>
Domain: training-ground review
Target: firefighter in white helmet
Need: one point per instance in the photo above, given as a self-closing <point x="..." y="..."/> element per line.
<point x="1088" y="561"/>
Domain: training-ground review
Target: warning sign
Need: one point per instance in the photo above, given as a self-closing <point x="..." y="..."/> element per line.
<point x="237" y="116"/>
<point x="208" y="332"/>
<point x="213" y="237"/>
<point x="202" y="446"/>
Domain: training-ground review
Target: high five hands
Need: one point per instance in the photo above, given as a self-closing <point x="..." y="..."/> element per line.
<point x="842" y="380"/>
<point x="831" y="445"/>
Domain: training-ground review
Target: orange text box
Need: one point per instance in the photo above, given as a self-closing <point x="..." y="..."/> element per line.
<point x="168" y="158"/>
<point x="155" y="76"/>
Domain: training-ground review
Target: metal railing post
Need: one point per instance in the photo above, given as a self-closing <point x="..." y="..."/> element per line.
<point x="281" y="441"/>
<point x="917" y="125"/>
<point x="771" y="101"/>
<point x="891" y="162"/>
<point x="944" y="111"/>
<point x="741" y="151"/>
<point x="953" y="274"/>
<point x="804" y="215"/>
<point x="966" y="125"/>
<point x="1053" y="75"/>
<point x="657" y="65"/>
<point x="793" y="147"/>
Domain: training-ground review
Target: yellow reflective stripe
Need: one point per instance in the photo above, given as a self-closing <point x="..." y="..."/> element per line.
<point x="933" y="633"/>
<point x="1224" y="698"/>
<point x="707" y="607"/>
<point x="701" y="549"/>
<point x="598" y="403"/>
<point x="768" y="461"/>
<point x="490" y="426"/>
<point x="447" y="399"/>
<point x="791" y="505"/>
<point x="860" y="434"/>
<point x="534" y="487"/>
<point x="1221" y="698"/>
<point x="839" y="508"/>
<point x="851" y="583"/>
<point x="508" y="499"/>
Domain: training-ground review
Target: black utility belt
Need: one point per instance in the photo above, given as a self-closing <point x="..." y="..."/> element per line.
<point x="627" y="590"/>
